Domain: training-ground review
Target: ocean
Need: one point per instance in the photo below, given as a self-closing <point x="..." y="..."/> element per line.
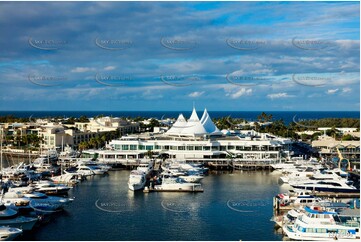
<point x="287" y="116"/>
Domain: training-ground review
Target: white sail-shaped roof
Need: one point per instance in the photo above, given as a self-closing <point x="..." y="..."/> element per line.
<point x="205" y="113"/>
<point x="208" y="124"/>
<point x="178" y="126"/>
<point x="194" y="126"/>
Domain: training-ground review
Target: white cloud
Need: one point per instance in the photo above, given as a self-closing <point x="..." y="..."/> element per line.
<point x="239" y="93"/>
<point x="82" y="69"/>
<point x="279" y="95"/>
<point x="109" y="68"/>
<point x="346" y="90"/>
<point x="195" y="94"/>
<point x="332" y="91"/>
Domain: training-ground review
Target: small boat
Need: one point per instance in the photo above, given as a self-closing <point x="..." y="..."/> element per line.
<point x="10" y="217"/>
<point x="8" y="233"/>
<point x="136" y="180"/>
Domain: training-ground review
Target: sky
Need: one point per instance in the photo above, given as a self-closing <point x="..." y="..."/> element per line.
<point x="155" y="56"/>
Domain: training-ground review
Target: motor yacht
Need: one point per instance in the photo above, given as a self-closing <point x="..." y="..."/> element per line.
<point x="177" y="184"/>
<point x="318" y="224"/>
<point x="50" y="188"/>
<point x="325" y="186"/>
<point x="10" y="217"/>
<point x="137" y="180"/>
<point x="145" y="167"/>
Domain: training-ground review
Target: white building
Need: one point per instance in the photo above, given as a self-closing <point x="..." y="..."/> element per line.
<point x="196" y="140"/>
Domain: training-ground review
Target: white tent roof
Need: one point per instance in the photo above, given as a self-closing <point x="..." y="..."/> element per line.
<point x="177" y="127"/>
<point x="208" y="124"/>
<point x="194" y="126"/>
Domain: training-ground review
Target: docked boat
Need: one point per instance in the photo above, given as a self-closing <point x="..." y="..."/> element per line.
<point x="137" y="180"/>
<point x="297" y="198"/>
<point x="316" y="224"/>
<point x="67" y="178"/>
<point x="50" y="188"/>
<point x="325" y="186"/>
<point x="177" y="184"/>
<point x="145" y="167"/>
<point x="8" y="233"/>
<point x="10" y="217"/>
<point x="37" y="201"/>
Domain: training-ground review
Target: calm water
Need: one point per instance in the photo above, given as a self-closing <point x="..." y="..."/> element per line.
<point x="233" y="206"/>
<point x="248" y="115"/>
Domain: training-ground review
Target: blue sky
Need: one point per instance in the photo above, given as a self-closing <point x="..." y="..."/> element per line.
<point x="233" y="56"/>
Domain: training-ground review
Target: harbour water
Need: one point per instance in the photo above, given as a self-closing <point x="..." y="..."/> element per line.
<point x="234" y="206"/>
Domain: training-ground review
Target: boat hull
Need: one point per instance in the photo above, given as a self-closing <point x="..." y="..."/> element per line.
<point x="24" y="223"/>
<point x="7" y="233"/>
<point x="327" y="189"/>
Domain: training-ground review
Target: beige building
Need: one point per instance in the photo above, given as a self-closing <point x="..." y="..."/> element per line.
<point x="327" y="147"/>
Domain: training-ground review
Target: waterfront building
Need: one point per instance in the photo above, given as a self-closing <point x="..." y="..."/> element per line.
<point x="107" y="124"/>
<point x="196" y="140"/>
<point x="327" y="147"/>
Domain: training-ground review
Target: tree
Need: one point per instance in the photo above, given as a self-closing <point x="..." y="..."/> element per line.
<point x="83" y="145"/>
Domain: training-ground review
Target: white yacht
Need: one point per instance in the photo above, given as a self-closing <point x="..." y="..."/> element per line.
<point x="85" y="170"/>
<point x="137" y="180"/>
<point x="325" y="186"/>
<point x="298" y="174"/>
<point x="10" y="217"/>
<point x="50" y="188"/>
<point x="297" y="198"/>
<point x="37" y="201"/>
<point x="8" y="233"/>
<point x="67" y="178"/>
<point x="146" y="166"/>
<point x="320" y="225"/>
<point x="177" y="184"/>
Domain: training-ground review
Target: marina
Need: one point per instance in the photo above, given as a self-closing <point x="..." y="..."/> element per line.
<point x="180" y="121"/>
<point x="192" y="172"/>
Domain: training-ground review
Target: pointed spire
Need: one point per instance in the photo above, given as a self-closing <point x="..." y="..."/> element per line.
<point x="204" y="116"/>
